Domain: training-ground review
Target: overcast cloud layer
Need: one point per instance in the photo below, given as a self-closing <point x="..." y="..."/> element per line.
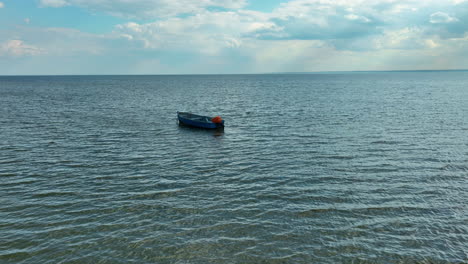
<point x="215" y="36"/>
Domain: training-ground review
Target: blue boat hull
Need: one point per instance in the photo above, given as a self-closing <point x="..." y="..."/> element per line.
<point x="198" y="121"/>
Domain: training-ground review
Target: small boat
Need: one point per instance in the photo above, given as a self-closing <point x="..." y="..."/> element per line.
<point x="200" y="121"/>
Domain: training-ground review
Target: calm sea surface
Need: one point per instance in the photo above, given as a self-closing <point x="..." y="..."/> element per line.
<point x="311" y="168"/>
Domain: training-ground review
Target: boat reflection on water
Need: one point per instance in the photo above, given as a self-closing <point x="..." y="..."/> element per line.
<point x="216" y="132"/>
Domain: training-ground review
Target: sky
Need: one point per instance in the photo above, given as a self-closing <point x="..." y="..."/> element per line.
<point x="54" y="37"/>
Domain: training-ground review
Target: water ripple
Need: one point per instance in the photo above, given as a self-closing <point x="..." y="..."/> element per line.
<point x="329" y="168"/>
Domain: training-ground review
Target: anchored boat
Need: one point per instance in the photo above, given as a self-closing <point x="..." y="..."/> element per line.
<point x="200" y="121"/>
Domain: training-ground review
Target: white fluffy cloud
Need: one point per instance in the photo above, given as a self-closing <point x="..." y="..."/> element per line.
<point x="53" y="3"/>
<point x="2" y="5"/>
<point x="441" y="17"/>
<point x="206" y="33"/>
<point x="147" y="9"/>
<point x="16" y="47"/>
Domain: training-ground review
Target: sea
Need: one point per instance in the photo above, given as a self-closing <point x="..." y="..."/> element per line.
<point x="358" y="167"/>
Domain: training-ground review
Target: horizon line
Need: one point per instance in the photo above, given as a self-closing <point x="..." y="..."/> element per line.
<point x="264" y="73"/>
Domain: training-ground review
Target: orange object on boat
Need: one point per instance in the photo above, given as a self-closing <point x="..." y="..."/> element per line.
<point x="217" y="120"/>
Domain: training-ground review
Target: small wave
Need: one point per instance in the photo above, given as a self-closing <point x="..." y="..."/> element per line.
<point x="339" y="157"/>
<point x="315" y="211"/>
<point x="54" y="194"/>
<point x="386" y="142"/>
<point x="9" y="161"/>
<point x="7" y="174"/>
<point x="377" y="170"/>
<point x="455" y="167"/>
<point x="154" y="195"/>
<point x="15" y="255"/>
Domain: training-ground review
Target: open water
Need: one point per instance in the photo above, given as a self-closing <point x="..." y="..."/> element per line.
<point x="311" y="168"/>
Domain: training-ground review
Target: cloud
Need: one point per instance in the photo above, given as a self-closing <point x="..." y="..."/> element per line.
<point x="357" y="21"/>
<point x="147" y="9"/>
<point x="441" y="17"/>
<point x="357" y="18"/>
<point x="17" y="48"/>
<point x="296" y="19"/>
<point x="26" y="41"/>
<point x="321" y="20"/>
<point x="53" y="3"/>
<point x="398" y="39"/>
<point x="345" y="25"/>
<point x="2" y="5"/>
<point x="205" y="33"/>
<point x="452" y="23"/>
<point x="185" y="36"/>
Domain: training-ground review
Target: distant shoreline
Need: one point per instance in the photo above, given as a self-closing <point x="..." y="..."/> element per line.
<point x="208" y="74"/>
